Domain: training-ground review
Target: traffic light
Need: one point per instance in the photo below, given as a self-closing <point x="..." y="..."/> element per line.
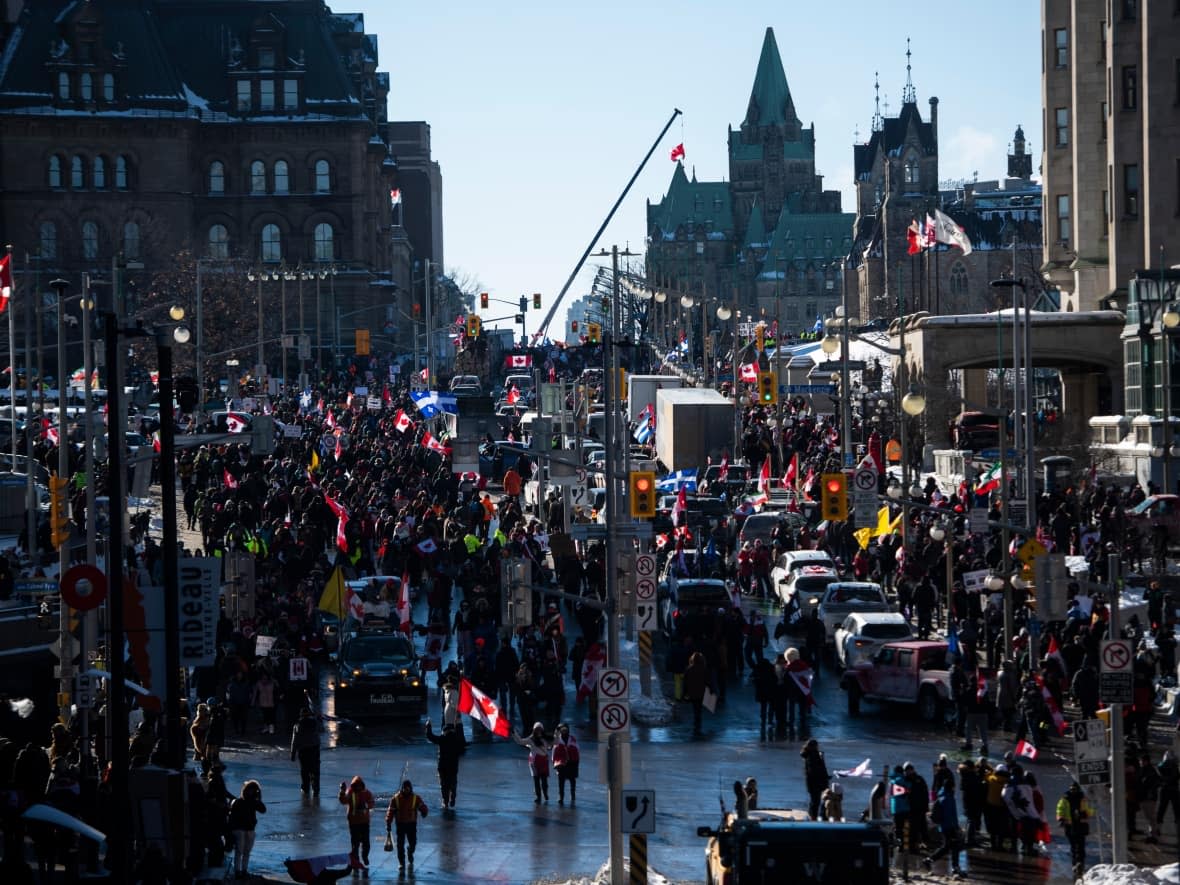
<point x="593" y="333"/>
<point x="573" y="325"/>
<point x="767" y="387"/>
<point x="536" y="301"/>
<point x="59" y="512"/>
<point x="417" y="310"/>
<point x="835" y="497"/>
<point x="760" y="337"/>
<point x="483" y="300"/>
<point x="362" y="342"/>
<point x="473" y="326"/>
<point x="187" y="393"/>
<point x="642" y="487"/>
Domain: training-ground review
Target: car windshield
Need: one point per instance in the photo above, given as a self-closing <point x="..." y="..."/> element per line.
<point x="813" y="583"/>
<point x="387" y="649"/>
<point x="845" y="594"/>
<point x="702" y="594"/>
<point x="807" y="563"/>
<point x="760" y="524"/>
<point x="885" y="631"/>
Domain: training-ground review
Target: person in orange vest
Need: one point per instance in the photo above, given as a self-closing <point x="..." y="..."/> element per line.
<point x="404" y="807"/>
<point x="489" y="510"/>
<point x="360" y="803"/>
<point x="512" y="483"/>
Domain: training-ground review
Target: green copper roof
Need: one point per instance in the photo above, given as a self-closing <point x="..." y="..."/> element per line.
<point x="821" y="237"/>
<point x="770" y="93"/>
<point x="690" y="204"/>
<point x="755" y="229"/>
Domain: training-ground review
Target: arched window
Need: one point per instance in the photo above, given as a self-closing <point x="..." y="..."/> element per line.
<point x="89" y="240"/>
<point x="323" y="182"/>
<point x="48" y="239"/>
<point x="77" y="175"/>
<point x="911" y="172"/>
<point x="100" y="172"/>
<point x="218" y="241"/>
<point x="217" y="177"/>
<point x="258" y="177"/>
<point x="272" y="243"/>
<point x="121" y="172"/>
<point x="131" y="240"/>
<point x="108" y="87"/>
<point x="958" y="280"/>
<point x="280" y="176"/>
<point x="63" y="85"/>
<point x="324" y="243"/>
<point x="55" y="171"/>
<point x="86" y="87"/>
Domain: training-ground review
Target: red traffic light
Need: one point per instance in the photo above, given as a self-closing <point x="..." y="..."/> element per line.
<point x="642" y="484"/>
<point x="835" y="486"/>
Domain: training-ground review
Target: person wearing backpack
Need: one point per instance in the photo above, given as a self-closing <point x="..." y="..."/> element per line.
<point x="1074" y="813"/>
<point x="404" y="808"/>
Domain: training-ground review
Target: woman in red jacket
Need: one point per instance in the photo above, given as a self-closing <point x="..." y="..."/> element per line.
<point x="565" y="762"/>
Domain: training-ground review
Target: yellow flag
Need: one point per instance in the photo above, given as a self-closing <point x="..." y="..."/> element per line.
<point x="315" y="460"/>
<point x="882" y="521"/>
<point x="332" y="599"/>
<point x="863" y="536"/>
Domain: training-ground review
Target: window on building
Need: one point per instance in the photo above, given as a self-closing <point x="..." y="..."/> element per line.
<point x="958" y="280"/>
<point x="48" y="239"/>
<point x="89" y="240"/>
<point x="258" y="177"/>
<point x="1105" y="116"/>
<point x="1131" y="190"/>
<point x="131" y="241"/>
<point x="63" y="85"/>
<point x="1061" y="126"/>
<point x="99" y="173"/>
<point x="243" y="96"/>
<point x="323" y="177"/>
<point x="266" y="95"/>
<point x="1061" y="47"/>
<point x="324" y="243"/>
<point x="911" y="172"/>
<point x="1129" y="10"/>
<point x="55" y="171"/>
<point x="86" y="87"/>
<point x="272" y="243"/>
<point x="290" y="95"/>
<point x="1106" y="210"/>
<point x="1063" y="220"/>
<point x="218" y="241"/>
<point x="1130" y="87"/>
<point x="281" y="177"/>
<point x="77" y="175"/>
<point x="266" y="58"/>
<point x="809" y="309"/>
<point x="217" y="177"/>
<point x="108" y="87"/>
<point x="121" y="172"/>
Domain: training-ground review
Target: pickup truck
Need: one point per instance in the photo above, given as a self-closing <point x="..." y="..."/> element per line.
<point x="911" y="672"/>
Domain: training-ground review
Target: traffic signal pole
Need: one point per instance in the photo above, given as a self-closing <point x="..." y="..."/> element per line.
<point x="59" y="495"/>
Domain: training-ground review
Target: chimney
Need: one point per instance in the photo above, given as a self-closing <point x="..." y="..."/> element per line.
<point x="934" y="117"/>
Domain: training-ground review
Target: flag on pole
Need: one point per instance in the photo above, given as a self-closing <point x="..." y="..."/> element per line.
<point x="332" y="597"/>
<point x="989" y="481"/>
<point x="680" y="506"/>
<point x="792" y="475"/>
<point x="513" y="395"/>
<point x="395" y="197"/>
<point x="1027" y="750"/>
<point x="947" y="231"/>
<point x="341" y="531"/>
<point x="354" y="603"/>
<point x="723" y="470"/>
<point x="677" y="152"/>
<point x="230" y="481"/>
<point x="234" y="424"/>
<point x="431" y="403"/>
<point x="5" y="281"/>
<point x="402" y="422"/>
<point x="433" y="444"/>
<point x="403" y="604"/>
<point x="1054" y="652"/>
<point x="481" y="708"/>
<point x="915" y="238"/>
<point x="330" y="420"/>
<point x="315" y="461"/>
<point x="749" y="373"/>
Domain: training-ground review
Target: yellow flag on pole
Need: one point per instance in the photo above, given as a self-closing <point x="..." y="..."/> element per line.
<point x="332" y="599"/>
<point x="315" y="460"/>
<point x="882" y="521"/>
<point x="863" y="536"/>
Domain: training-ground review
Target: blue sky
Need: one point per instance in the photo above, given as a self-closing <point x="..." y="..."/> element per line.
<point x="540" y="112"/>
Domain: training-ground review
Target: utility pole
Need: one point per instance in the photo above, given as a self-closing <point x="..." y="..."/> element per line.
<point x="63" y="475"/>
<point x="1118" y="778"/>
<point x="429" y="314"/>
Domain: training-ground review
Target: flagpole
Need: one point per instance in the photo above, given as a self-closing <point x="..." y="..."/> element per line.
<point x="12" y="356"/>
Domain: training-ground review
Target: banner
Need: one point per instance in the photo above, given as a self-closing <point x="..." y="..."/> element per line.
<point x="200" y="587"/>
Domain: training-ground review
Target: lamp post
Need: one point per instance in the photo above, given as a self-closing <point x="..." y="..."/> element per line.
<point x="259" y="275"/>
<point x="1023" y="402"/>
<point x="322" y="272"/>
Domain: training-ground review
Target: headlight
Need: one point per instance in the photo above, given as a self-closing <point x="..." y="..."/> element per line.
<point x="342" y="684"/>
<point x="813" y="601"/>
<point x="356" y="673"/>
<point x="414" y="683"/>
<point x="404" y="671"/>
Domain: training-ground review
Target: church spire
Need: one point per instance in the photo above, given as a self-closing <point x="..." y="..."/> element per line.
<point x="878" y="121"/>
<point x="909" y="95"/>
<point x="770" y="99"/>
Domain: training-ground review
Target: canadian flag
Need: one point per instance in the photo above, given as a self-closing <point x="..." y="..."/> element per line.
<point x="1027" y="750"/>
<point x="230" y="481"/>
<point x="427" y="546"/>
<point x="339" y="448"/>
<point x="354" y="602"/>
<point x="723" y="470"/>
<point x="51" y="434"/>
<point x="341" y="531"/>
<point x="518" y="360"/>
<point x="481" y="708"/>
<point x="402" y="422"/>
<point x="433" y="444"/>
<point x="680" y="506"/>
<point x="338" y="509"/>
<point x="330" y="421"/>
<point x="898" y="790"/>
<point x="403" y="604"/>
<point x="764" y="478"/>
<point x="677" y="152"/>
<point x="861" y="770"/>
<point x="749" y="373"/>
<point x="513" y="395"/>
<point x="792" y="475"/>
<point x="5" y="281"/>
<point x="234" y="424"/>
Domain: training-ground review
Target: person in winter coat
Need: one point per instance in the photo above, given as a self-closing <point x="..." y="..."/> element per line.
<point x="1169" y="770"/>
<point x="243" y="819"/>
<point x="265" y="697"/>
<point x="1074" y="813"/>
<point x="831" y="803"/>
<point x="764" y="686"/>
<point x="404" y="808"/>
<point x="696" y="680"/>
<point x="199" y="731"/>
<point x="566" y="757"/>
<point x="451" y="745"/>
<point x="1018" y="797"/>
<point x="995" y="811"/>
<point x="974" y="792"/>
<point x="945" y="815"/>
<point x="901" y="787"/>
<point x="815" y="775"/>
<point x="239" y="693"/>
<point x="1007" y="693"/>
<point x="360" y="804"/>
<point x="305" y="744"/>
<point x="538" y="746"/>
<point x="751" y="793"/>
<point x="1150" y="782"/>
<point x="1084" y="689"/>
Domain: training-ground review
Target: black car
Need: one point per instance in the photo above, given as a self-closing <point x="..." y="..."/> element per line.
<point x="378" y="676"/>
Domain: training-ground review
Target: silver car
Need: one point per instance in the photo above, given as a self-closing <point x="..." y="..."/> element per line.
<point x="862" y="633"/>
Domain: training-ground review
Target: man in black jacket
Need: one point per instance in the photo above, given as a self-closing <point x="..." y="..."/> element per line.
<point x="451" y="745"/>
<point x="305" y="743"/>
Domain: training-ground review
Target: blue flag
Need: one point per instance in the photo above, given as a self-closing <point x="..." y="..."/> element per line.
<point x="671" y="483"/>
<point x="432" y="403"/>
<point x="952" y="642"/>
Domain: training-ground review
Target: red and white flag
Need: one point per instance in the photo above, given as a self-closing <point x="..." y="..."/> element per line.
<point x="338" y="509"/>
<point x="749" y="373"/>
<point x="1055" y="653"/>
<point x="234" y="424"/>
<point x="513" y="395"/>
<point x="156" y="444"/>
<point x="792" y="475"/>
<point x="723" y="470"/>
<point x="52" y="437"/>
<point x="330" y="420"/>
<point x="481" y="708"/>
<point x="433" y="444"/>
<point x="341" y="531"/>
<point x="680" y="506"/>
<point x="898" y="790"/>
<point x="339" y="448"/>
<point x="5" y="281"/>
<point x="802" y="678"/>
<point x="403" y="604"/>
<point x="354" y="603"/>
<point x="594" y="661"/>
<point x="402" y="422"/>
<point x="1027" y="750"/>
<point x="518" y="361"/>
<point x="861" y="770"/>
<point x="677" y="152"/>
<point x="395" y="196"/>
<point x="1054" y="711"/>
<point x="230" y="481"/>
<point x="427" y="546"/>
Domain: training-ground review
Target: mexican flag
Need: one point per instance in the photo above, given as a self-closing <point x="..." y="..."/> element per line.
<point x="989" y="481"/>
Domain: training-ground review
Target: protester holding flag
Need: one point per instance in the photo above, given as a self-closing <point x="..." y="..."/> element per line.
<point x="538" y="745"/>
<point x="566" y="756"/>
<point x="451" y="746"/>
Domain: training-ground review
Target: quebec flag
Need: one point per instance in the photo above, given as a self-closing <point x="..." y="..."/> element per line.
<point x="431" y="403"/>
<point x="672" y="483"/>
<point x="644" y="431"/>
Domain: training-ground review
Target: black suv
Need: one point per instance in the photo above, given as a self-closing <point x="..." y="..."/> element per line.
<point x="377" y="677"/>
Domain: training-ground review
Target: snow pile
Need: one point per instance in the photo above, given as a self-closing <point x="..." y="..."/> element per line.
<point x="654" y="710"/>
<point x="602" y="877"/>
<point x="1129" y="874"/>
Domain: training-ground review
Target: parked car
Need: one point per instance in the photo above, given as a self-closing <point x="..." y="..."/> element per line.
<point x="759" y="527"/>
<point x="975" y="431"/>
<point x="862" y="633"/>
<point x="914" y="672"/>
<point x="801" y="592"/>
<point x="466" y="381"/>
<point x="1157" y="510"/>
<point x="377" y="676"/>
<point x="792" y="561"/>
<point x="842" y="598"/>
<point x="693" y="606"/>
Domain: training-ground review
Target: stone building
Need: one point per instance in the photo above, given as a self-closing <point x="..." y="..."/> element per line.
<point x="253" y="134"/>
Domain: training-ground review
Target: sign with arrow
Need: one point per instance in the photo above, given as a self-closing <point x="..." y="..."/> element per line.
<point x="638" y="811"/>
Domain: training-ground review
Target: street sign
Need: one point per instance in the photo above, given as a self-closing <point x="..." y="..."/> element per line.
<point x="645" y="615"/>
<point x="838" y="365"/>
<point x="977" y="520"/>
<point x="645" y="582"/>
<point x="614" y="716"/>
<point x="1030" y="550"/>
<point x="809" y="388"/>
<point x="864" y="496"/>
<point x="34" y="586"/>
<point x="994" y="454"/>
<point x="613" y="685"/>
<point x="581" y="475"/>
<point x="1090" y="753"/>
<point x="83" y="691"/>
<point x="638" y="811"/>
<point x="645" y="589"/>
<point x="1114" y="677"/>
<point x="1018" y="514"/>
<point x="865" y="480"/>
